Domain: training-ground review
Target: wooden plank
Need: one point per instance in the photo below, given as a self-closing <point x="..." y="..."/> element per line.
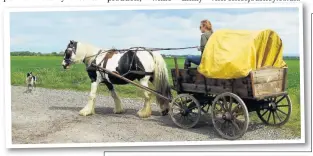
<point x="200" y="88"/>
<point x="267" y="75"/>
<point x="267" y="72"/>
<point x="268" y="88"/>
<point x="271" y="95"/>
<point x="252" y="83"/>
<point x="269" y="78"/>
<point x="268" y="81"/>
<point x="185" y="78"/>
<point x="284" y="87"/>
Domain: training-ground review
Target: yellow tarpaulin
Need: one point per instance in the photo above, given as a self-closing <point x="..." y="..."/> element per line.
<point x="232" y="54"/>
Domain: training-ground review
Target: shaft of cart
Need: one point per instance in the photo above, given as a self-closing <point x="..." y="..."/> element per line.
<point x="131" y="82"/>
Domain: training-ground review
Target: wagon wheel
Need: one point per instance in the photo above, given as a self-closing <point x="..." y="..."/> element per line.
<point x="185" y="111"/>
<point x="230" y="116"/>
<point x="276" y="110"/>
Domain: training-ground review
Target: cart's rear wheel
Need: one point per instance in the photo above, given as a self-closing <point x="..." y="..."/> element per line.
<point x="276" y="110"/>
<point x="185" y="111"/>
<point x="230" y="116"/>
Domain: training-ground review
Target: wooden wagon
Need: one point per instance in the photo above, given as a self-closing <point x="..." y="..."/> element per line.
<point x="228" y="101"/>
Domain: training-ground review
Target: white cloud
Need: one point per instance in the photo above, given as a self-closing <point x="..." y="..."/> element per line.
<point x="127" y="29"/>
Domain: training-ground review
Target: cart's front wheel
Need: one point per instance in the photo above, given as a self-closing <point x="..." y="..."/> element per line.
<point x="185" y="111"/>
<point x="230" y="116"/>
<point x="276" y="110"/>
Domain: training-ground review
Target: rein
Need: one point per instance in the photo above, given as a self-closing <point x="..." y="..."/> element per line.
<point x="152" y="49"/>
<point x="135" y="49"/>
<point x="140" y="49"/>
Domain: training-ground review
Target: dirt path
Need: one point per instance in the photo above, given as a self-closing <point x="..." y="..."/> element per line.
<point x="51" y="116"/>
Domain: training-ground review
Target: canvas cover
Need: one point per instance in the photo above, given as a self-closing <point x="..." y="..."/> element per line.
<point x="231" y="54"/>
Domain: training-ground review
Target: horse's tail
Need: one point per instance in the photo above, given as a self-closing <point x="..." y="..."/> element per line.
<point x="160" y="79"/>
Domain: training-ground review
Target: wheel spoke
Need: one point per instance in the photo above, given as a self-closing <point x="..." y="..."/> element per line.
<point x="196" y="114"/>
<point x="230" y="103"/>
<point x="233" y="130"/>
<point x="193" y="107"/>
<point x="235" y="124"/>
<point x="274" y="117"/>
<point x="218" y="120"/>
<point x="222" y="106"/>
<point x="239" y="121"/>
<point x="282" y="106"/>
<point x="177" y="106"/>
<point x="224" y="100"/>
<point x="280" y="99"/>
<point x="278" y="116"/>
<point x="235" y="109"/>
<point x="180" y="103"/>
<point x="226" y="127"/>
<point x="269" y="116"/>
<point x="264" y="113"/>
<point x="282" y="112"/>
<point x="221" y="125"/>
<point x="190" y="119"/>
<point x="177" y="115"/>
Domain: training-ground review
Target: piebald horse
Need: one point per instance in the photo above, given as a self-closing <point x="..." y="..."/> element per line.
<point x="141" y="65"/>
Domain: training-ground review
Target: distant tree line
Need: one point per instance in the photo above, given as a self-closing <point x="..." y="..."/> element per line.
<point x="291" y="58"/>
<point x="28" y="53"/>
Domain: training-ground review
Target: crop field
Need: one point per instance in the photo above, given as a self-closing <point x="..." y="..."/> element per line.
<point x="50" y="74"/>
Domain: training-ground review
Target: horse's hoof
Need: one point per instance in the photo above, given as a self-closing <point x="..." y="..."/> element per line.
<point x="165" y="112"/>
<point x="143" y="114"/>
<point x="84" y="112"/>
<point x="120" y="111"/>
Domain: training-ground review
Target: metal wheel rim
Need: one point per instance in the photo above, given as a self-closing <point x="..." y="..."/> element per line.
<point x="267" y="114"/>
<point x="196" y="118"/>
<point x="233" y="110"/>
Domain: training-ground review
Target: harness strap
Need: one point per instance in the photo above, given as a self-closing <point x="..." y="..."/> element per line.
<point x="138" y="73"/>
<point x="107" y="56"/>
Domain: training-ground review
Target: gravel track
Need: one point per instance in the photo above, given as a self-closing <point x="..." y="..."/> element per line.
<point x="51" y="116"/>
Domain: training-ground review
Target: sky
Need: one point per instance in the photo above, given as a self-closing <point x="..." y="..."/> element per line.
<point x="51" y="31"/>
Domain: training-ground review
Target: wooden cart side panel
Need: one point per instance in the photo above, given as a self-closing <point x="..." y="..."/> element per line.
<point x="242" y="87"/>
<point x="267" y="81"/>
<point x="258" y="84"/>
<point x="285" y="82"/>
<point x="193" y="82"/>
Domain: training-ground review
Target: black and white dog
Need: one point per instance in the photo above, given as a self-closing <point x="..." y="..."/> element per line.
<point x="31" y="81"/>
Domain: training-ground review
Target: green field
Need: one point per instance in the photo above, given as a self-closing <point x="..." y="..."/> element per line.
<point x="51" y="75"/>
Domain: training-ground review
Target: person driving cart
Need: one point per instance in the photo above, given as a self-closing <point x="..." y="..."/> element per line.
<point x="206" y="30"/>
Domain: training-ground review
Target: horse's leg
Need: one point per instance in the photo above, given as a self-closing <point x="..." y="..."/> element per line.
<point x="89" y="109"/>
<point x="118" y="104"/>
<point x="146" y="110"/>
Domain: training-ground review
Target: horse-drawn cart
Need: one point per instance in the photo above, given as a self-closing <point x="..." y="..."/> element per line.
<point x="263" y="91"/>
<point x="240" y="72"/>
<point x="244" y="73"/>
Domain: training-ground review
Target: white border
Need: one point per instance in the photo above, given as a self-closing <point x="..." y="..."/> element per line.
<point x="126" y="144"/>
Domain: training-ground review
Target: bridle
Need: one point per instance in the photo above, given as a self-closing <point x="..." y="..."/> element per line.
<point x="71" y="48"/>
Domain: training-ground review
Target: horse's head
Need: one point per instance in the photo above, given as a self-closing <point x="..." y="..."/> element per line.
<point x="69" y="54"/>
